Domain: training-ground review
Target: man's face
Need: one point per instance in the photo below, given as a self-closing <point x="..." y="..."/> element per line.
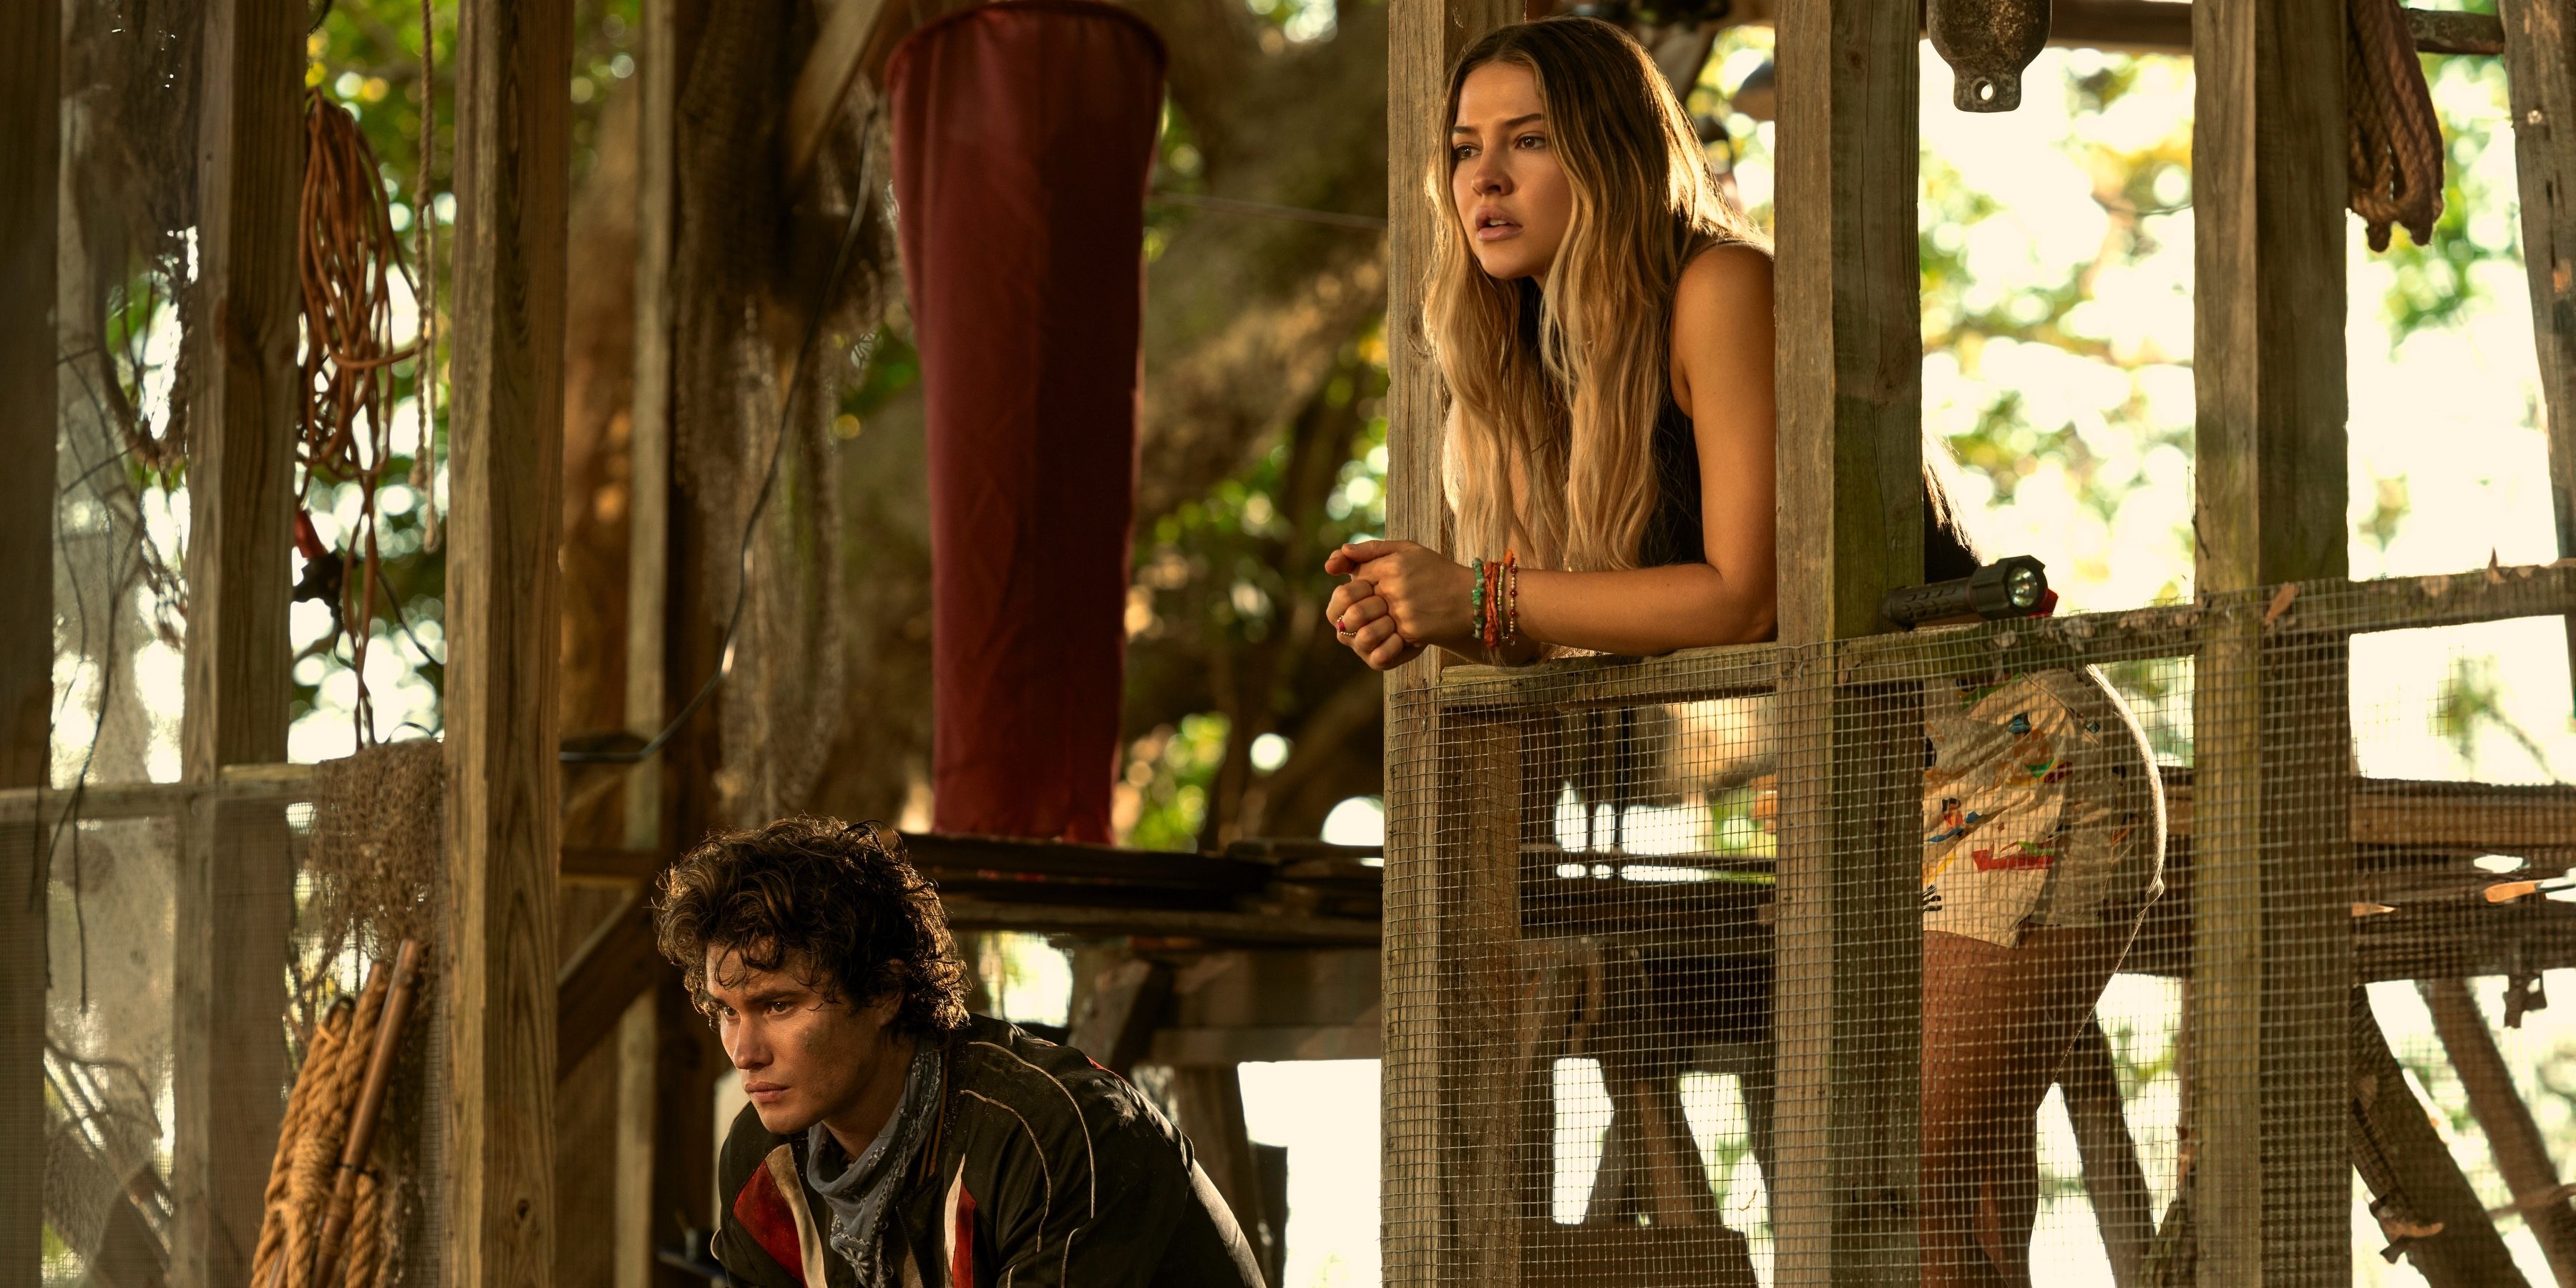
<point x="805" y="1058"/>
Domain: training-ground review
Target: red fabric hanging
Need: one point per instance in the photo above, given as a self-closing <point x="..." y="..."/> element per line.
<point x="1023" y="139"/>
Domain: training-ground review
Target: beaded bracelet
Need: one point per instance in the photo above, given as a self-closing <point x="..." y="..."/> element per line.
<point x="1511" y="597"/>
<point x="1476" y="599"/>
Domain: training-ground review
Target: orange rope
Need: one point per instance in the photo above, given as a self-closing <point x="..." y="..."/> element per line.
<point x="348" y="259"/>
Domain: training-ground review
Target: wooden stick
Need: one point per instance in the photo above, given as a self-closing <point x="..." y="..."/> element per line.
<point x="2113" y="1178"/>
<point x="2521" y="1152"/>
<point x="371" y="1105"/>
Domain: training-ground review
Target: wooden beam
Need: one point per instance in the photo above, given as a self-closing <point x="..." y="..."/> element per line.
<point x="2114" y="1181"/>
<point x="506" y="470"/>
<point x="2521" y="1152"/>
<point x="1234" y="1044"/>
<point x="833" y="65"/>
<point x="1424" y="39"/>
<point x="30" y="157"/>
<point x="2161" y="27"/>
<point x="659" y="72"/>
<point x="631" y="1258"/>
<point x="2419" y="1186"/>
<point x="1849" y="938"/>
<point x="1115" y="1023"/>
<point x="2272" y="858"/>
<point x="2158" y="27"/>
<point x="2540" y="90"/>
<point x="235" y="898"/>
<point x="594" y="991"/>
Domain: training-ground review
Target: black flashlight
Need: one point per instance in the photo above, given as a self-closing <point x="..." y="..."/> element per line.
<point x="2013" y="587"/>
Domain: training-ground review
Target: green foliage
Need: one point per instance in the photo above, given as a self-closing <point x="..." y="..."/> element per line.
<point x="2471" y="704"/>
<point x="1171" y="771"/>
<point x="2436" y="285"/>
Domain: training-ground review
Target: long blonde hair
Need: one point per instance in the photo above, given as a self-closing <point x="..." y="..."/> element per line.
<point x="1568" y="381"/>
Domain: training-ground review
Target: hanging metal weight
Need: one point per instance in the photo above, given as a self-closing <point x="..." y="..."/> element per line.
<point x="1987" y="44"/>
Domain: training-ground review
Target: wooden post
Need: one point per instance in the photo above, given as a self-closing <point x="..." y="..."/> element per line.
<point x="648" y="591"/>
<point x="1484" y="1096"/>
<point x="505" y="470"/>
<point x="235" y="897"/>
<point x="2521" y="1152"/>
<point x="2540" y="86"/>
<point x="2272" y="866"/>
<point x="1849" y="1010"/>
<point x="1424" y="37"/>
<point x="30" y="153"/>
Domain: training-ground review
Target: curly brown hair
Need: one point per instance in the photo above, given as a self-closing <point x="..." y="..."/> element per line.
<point x="838" y="906"/>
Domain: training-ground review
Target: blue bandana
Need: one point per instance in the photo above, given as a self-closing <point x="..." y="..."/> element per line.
<point x="865" y="1190"/>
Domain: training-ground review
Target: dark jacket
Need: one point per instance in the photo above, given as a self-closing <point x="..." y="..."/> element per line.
<point x="1045" y="1169"/>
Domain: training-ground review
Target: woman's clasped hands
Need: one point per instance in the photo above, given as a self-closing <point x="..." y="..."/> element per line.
<point x="1401" y="597"/>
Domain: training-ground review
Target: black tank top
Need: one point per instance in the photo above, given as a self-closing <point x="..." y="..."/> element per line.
<point x="1674" y="535"/>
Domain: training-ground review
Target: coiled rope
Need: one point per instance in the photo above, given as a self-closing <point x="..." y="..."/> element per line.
<point x="2395" y="140"/>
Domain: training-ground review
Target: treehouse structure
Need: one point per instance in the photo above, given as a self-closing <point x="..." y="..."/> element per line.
<point x="1618" y="1049"/>
<point x="1526" y="936"/>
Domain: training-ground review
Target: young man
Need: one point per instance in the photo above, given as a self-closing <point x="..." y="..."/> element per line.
<point x="892" y="1139"/>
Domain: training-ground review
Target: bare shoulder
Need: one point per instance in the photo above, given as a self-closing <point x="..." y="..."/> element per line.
<point x="1721" y="330"/>
<point x="1723" y="284"/>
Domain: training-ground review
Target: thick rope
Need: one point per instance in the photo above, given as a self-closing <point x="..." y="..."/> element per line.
<point x="365" y="1263"/>
<point x="2395" y="141"/>
<point x="325" y="1126"/>
<point x="276" y="1214"/>
<point x="333" y="1131"/>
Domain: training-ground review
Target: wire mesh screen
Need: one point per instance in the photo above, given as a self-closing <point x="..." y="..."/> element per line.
<point x="201" y="962"/>
<point x="2029" y="952"/>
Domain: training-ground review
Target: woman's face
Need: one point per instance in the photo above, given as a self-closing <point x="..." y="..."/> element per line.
<point x="1513" y="199"/>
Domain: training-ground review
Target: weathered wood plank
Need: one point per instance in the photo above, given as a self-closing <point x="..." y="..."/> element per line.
<point x="2161" y="27"/>
<point x="1850" y="326"/>
<point x="236" y="889"/>
<point x="1423" y="41"/>
<point x="1230" y="1045"/>
<point x="2513" y="1137"/>
<point x="840" y="49"/>
<point x="2323" y="607"/>
<point x="2540" y="89"/>
<point x="1482" y="1002"/>
<point x="506" y="468"/>
<point x="631" y="1259"/>
<point x="1849" y="938"/>
<point x="2114" y="1181"/>
<point x="1115" y="1023"/>
<point x="659" y="73"/>
<point x="2418" y="1185"/>
<point x="595" y="988"/>
<point x="1231" y="928"/>
<point x="2272" y="860"/>
<point x="30" y="155"/>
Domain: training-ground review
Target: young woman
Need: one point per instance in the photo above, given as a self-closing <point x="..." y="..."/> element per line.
<point x="1604" y="321"/>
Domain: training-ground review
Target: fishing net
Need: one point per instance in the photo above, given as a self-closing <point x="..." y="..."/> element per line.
<point x="2055" y="946"/>
<point x="166" y="1091"/>
<point x="747" y="259"/>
